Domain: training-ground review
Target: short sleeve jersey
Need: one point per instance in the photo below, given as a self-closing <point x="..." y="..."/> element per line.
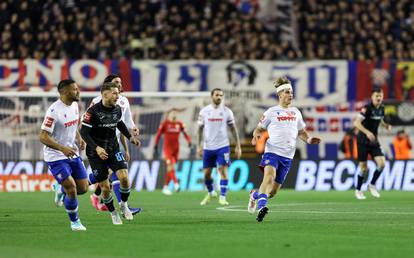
<point x="282" y="125"/>
<point x="371" y="118"/>
<point x="215" y="122"/>
<point x="61" y="121"/>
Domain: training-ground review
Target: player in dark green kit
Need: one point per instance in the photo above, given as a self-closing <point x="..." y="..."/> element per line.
<point x="368" y="121"/>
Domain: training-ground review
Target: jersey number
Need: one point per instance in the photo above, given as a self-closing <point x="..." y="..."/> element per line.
<point x="119" y="156"/>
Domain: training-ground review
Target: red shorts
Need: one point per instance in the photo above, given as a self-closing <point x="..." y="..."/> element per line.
<point x="171" y="157"/>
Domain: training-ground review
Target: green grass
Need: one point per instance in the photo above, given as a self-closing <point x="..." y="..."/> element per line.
<point x="301" y="224"/>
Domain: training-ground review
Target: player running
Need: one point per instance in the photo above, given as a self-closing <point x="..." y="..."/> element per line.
<point x="213" y="121"/>
<point x="284" y="124"/>
<point x="129" y="122"/>
<point x="98" y="130"/>
<point x="171" y="129"/>
<point x="59" y="133"/>
<point x="367" y="122"/>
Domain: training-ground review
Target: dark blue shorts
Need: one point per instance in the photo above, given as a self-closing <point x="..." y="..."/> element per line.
<point x="62" y="169"/>
<point x="212" y="158"/>
<point x="281" y="164"/>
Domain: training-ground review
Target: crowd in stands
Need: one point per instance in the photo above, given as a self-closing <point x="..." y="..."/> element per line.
<point x="203" y="29"/>
<point x="356" y="29"/>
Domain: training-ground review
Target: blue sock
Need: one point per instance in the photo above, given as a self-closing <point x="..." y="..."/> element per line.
<point x="256" y="195"/>
<point x="113" y="177"/>
<point x="115" y="188"/>
<point x="262" y="201"/>
<point x="91" y="179"/>
<point x="71" y="206"/>
<point x="223" y="186"/>
<point x="209" y="184"/>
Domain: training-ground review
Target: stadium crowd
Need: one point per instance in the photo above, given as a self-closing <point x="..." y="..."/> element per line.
<point x="204" y="29"/>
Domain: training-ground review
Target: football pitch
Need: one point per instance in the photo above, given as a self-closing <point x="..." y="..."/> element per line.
<point x="300" y="224"/>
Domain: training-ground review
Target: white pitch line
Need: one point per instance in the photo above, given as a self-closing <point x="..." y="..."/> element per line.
<point x="235" y="208"/>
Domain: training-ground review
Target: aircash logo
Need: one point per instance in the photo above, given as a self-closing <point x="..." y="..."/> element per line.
<point x="26" y="183"/>
<point x="328" y="175"/>
<point x="24" y="176"/>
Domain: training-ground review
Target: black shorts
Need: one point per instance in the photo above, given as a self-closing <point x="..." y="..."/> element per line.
<point x="365" y="148"/>
<point x="100" y="167"/>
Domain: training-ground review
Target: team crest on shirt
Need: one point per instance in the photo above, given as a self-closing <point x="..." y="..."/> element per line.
<point x="290" y="113"/>
<point x="267" y="161"/>
<point x="114" y="116"/>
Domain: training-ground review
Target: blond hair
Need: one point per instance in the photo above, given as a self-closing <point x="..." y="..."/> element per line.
<point x="280" y="81"/>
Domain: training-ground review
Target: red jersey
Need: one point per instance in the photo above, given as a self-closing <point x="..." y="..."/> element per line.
<point x="171" y="131"/>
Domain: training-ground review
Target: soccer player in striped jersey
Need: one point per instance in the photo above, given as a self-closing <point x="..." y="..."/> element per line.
<point x="59" y="133"/>
<point x="213" y="121"/>
<point x="171" y="129"/>
<point x="284" y="124"/>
